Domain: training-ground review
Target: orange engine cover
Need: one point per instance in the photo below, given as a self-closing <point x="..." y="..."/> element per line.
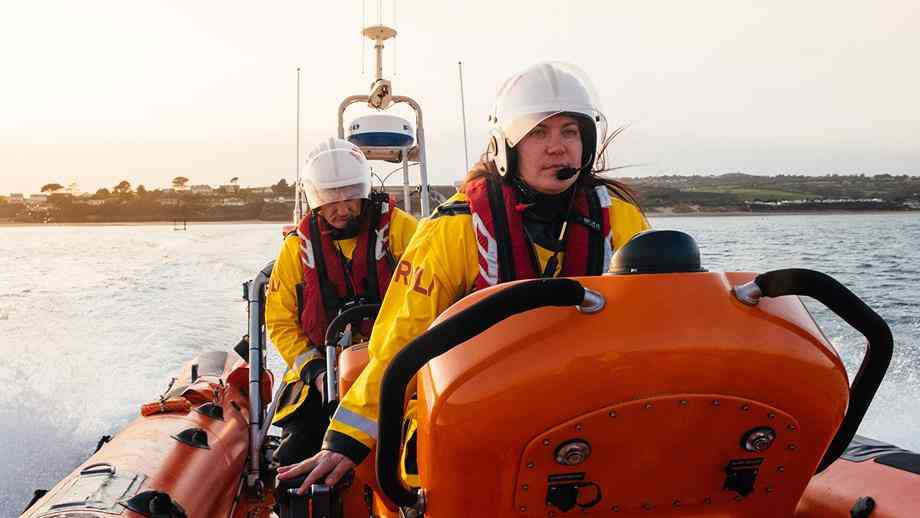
<point x="663" y="385"/>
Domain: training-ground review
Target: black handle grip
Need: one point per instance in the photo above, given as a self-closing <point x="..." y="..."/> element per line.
<point x="440" y="339"/>
<point x="855" y="312"/>
<point x="350" y="315"/>
<point x="353" y="314"/>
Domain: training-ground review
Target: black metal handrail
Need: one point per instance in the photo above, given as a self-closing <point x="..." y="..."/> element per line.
<point x="845" y="304"/>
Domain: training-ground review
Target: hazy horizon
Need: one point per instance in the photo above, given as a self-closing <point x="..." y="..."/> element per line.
<point x="105" y="91"/>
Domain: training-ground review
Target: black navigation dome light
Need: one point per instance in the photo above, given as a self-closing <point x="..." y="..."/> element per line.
<point x="658" y="251"/>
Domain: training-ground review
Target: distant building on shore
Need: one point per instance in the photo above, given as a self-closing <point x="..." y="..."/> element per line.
<point x="37" y="199"/>
<point x="17" y="198"/>
<point x="438" y="195"/>
<point x="201" y="189"/>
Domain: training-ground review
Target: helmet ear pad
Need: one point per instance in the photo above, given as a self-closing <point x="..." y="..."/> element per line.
<point x="499" y="152"/>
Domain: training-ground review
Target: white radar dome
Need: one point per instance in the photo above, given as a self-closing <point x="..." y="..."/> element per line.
<point x="380" y="130"/>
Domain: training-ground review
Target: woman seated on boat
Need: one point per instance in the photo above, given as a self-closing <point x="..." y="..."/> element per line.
<point x="343" y="253"/>
<point x="534" y="206"/>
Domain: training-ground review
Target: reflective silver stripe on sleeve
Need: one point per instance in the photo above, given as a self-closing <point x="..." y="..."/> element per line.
<point x="345" y="416"/>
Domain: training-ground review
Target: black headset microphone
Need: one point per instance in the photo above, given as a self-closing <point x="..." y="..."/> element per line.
<point x="567" y="172"/>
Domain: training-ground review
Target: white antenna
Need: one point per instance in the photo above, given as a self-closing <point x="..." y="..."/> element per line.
<point x="466" y="142"/>
<point x="365" y="16"/>
<point x="381" y="98"/>
<point x="298" y="206"/>
<point x="395" y="41"/>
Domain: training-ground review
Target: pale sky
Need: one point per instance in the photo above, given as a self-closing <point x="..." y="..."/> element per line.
<point x="100" y="91"/>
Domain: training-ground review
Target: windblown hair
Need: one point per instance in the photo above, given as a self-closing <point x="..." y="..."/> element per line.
<point x="485" y="168"/>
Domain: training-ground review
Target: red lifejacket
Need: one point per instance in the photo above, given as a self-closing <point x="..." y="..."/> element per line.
<point x="506" y="252"/>
<point x="331" y="284"/>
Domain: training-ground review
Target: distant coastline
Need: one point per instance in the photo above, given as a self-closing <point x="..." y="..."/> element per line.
<point x="670" y="213"/>
<point x="733" y="194"/>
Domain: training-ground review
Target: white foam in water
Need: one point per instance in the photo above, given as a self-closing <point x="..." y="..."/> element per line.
<point x="90" y="335"/>
<point x="41" y="443"/>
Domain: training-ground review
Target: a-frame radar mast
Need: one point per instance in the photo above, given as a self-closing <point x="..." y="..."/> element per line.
<point x="387" y="137"/>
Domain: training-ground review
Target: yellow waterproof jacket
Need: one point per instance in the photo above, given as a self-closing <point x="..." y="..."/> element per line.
<point x="281" y="317"/>
<point x="439" y="268"/>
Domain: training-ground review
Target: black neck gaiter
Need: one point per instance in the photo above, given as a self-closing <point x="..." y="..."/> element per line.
<point x="543" y="214"/>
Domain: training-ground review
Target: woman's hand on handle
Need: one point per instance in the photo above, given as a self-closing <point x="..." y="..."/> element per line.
<point x="326" y="464"/>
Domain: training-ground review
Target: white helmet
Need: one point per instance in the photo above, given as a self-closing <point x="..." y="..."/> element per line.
<point x="528" y="98"/>
<point x="336" y="170"/>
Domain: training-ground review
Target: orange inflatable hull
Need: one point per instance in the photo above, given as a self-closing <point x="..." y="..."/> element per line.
<point x="889" y="476"/>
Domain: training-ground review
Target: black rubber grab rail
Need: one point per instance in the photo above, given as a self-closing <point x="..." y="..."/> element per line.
<point x="351" y="315"/>
<point x="855" y="312"/>
<point x="436" y="341"/>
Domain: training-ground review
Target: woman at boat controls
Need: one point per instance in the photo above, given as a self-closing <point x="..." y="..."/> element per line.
<point x="343" y="253"/>
<point x="534" y="206"/>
